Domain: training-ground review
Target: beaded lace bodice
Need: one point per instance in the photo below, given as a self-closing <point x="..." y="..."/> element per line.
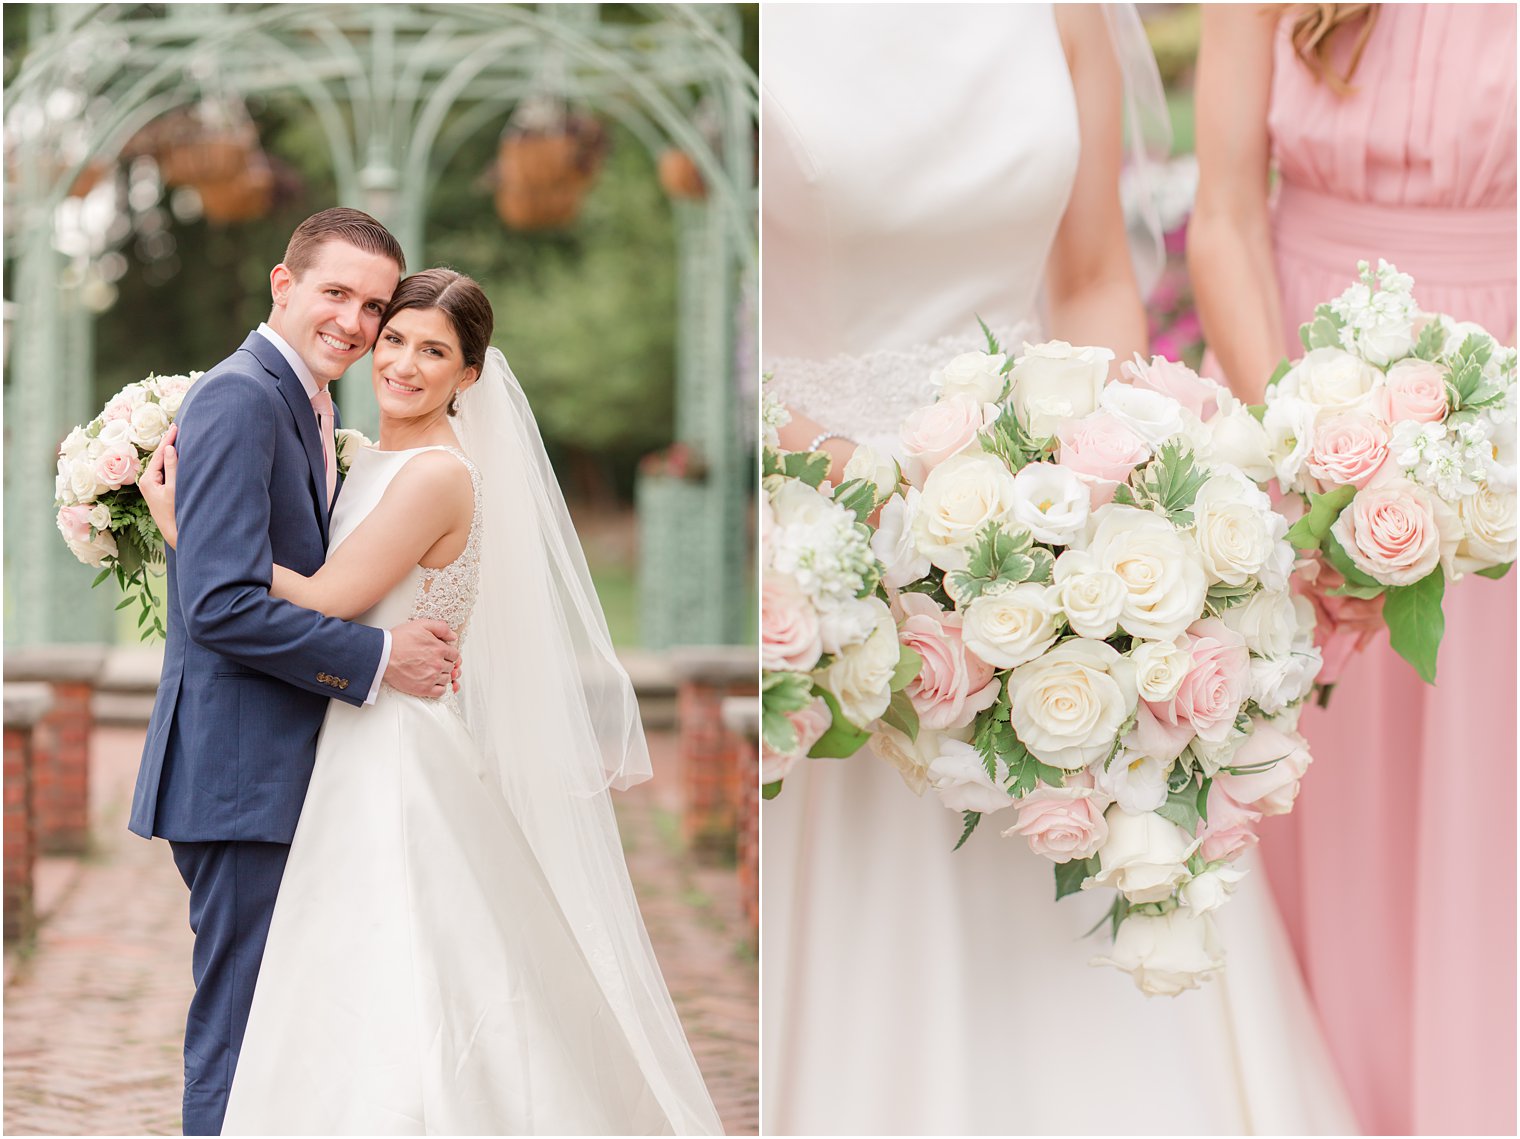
<point x="448" y="593"/>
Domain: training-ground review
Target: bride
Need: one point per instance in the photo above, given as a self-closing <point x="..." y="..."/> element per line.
<point x="924" y="165"/>
<point x="456" y="948"/>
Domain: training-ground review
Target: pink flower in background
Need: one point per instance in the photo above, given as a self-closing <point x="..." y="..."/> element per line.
<point x="932" y="434"/>
<point x="954" y="684"/>
<point x="1100" y="450"/>
<point x="1397" y="532"/>
<point x="1187" y="387"/>
<point x="1063" y="823"/>
<point x="1272" y="791"/>
<point x="1348" y="450"/>
<point x="117" y="465"/>
<point x="1231" y="827"/>
<point x="1413" y="389"/>
<point x="1212" y="692"/>
<point x="810" y="722"/>
<point x="74" y="523"/>
<point x="789" y="632"/>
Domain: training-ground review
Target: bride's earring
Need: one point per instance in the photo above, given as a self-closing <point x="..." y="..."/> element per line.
<point x="454" y="403"/>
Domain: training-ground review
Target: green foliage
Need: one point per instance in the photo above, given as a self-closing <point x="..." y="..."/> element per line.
<point x="1416" y="623"/>
<point x="856" y="495"/>
<point x="1168" y="484"/>
<point x="810" y="467"/>
<point x="1495" y="572"/>
<point x="1431" y="341"/>
<point x="1357" y="583"/>
<point x="1324" y="331"/>
<point x="1310" y="530"/>
<point x="995" y="740"/>
<point x="1000" y="556"/>
<point x="1284" y="366"/>
<point x="1007" y="439"/>
<point x="780" y="693"/>
<point x="843" y="739"/>
<point x="901" y="714"/>
<point x="1466" y="385"/>
<point x="1187" y="806"/>
<point x="971" y="819"/>
<point x="770" y="790"/>
<point x="993" y="348"/>
<point x="1221" y="596"/>
<point x="1071" y="875"/>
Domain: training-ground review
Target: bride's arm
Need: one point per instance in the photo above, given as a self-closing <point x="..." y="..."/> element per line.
<point x="1090" y="281"/>
<point x="797" y="434"/>
<point x="422" y="519"/>
<point x="1229" y="239"/>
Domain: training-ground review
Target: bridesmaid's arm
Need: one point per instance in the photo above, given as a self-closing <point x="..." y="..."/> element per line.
<point x="1229" y="238"/>
<point x="1090" y="281"/>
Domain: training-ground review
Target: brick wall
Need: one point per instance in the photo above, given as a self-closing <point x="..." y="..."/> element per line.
<point x="61" y="796"/>
<point x="711" y="758"/>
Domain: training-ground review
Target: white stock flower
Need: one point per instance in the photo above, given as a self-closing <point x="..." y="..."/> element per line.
<point x="975" y="374"/>
<point x="1091" y="597"/>
<point x="1054" y="381"/>
<point x="1289" y="424"/>
<point x="868" y="463"/>
<point x="1160" y="668"/>
<point x="1136" y="783"/>
<point x="1160" y="569"/>
<point x="1051" y="502"/>
<point x="1011" y="624"/>
<point x="1166" y="954"/>
<point x="893" y="543"/>
<point x="1211" y="889"/>
<point x="1145" y="857"/>
<point x="1237" y="531"/>
<point x="861" y="676"/>
<point x="1152" y="416"/>
<point x="961" y="781"/>
<point x="816" y="541"/>
<point x="846" y="621"/>
<point x="1067" y="706"/>
<point x="960" y="496"/>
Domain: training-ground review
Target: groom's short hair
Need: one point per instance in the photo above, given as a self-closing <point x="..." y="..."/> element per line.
<point x="340" y="224"/>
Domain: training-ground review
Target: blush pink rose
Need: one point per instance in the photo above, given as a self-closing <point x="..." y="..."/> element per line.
<point x="1101" y="450"/>
<point x="1230" y="829"/>
<point x="789" y="632"/>
<point x="954" y="684"/>
<point x="74" y="523"/>
<point x="1413" y="389"/>
<point x="1272" y="791"/>
<point x="1194" y="392"/>
<point x="1063" y="823"/>
<point x="810" y="722"/>
<point x="1348" y="450"/>
<point x="1397" y="531"/>
<point x="117" y="466"/>
<point x="932" y="434"/>
<point x="1215" y="687"/>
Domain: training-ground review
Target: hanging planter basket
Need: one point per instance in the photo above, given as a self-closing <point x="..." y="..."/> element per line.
<point x="680" y="177"/>
<point x="211" y="143"/>
<point x="247" y="195"/>
<point x="543" y="173"/>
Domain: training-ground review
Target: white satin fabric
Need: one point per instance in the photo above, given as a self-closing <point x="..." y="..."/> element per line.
<point x="917" y="162"/>
<point x="420" y="975"/>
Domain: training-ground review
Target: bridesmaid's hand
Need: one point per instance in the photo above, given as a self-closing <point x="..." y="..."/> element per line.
<point x="157" y="486"/>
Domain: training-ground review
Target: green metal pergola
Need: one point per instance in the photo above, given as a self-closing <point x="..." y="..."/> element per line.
<point x="396" y="89"/>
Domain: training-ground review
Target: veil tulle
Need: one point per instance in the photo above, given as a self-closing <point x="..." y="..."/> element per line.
<point x="1147" y="139"/>
<point x="557" y="724"/>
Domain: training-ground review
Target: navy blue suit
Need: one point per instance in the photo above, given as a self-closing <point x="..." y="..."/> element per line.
<point x="245" y="686"/>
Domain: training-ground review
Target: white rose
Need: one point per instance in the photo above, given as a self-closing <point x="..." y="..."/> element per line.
<point x="1267" y="620"/>
<point x="1237" y="530"/>
<point x="75" y="444"/>
<point x="1010" y="625"/>
<point x="1160" y="668"/>
<point x="795" y="503"/>
<point x="100" y="516"/>
<point x="1211" y="755"/>
<point x="113" y="433"/>
<point x="170" y="401"/>
<point x="1068" y="705"/>
<point x="1277" y="682"/>
<point x="1488" y="529"/>
<point x="912" y="757"/>
<point x="1051" y="502"/>
<point x="960" y="496"/>
<point x="1166" y="954"/>
<point x="1091" y="597"/>
<point x="83" y="483"/>
<point x="1145" y="857"/>
<point x="878" y="469"/>
<point x="1289" y="424"/>
<point x="1054" y="381"/>
<point x="845" y="621"/>
<point x="1391" y="338"/>
<point x="148" y="424"/>
<point x="1237" y="438"/>
<point x="861" y="676"/>
<point x="893" y="542"/>
<point x="1211" y="889"/>
<point x="959" y="778"/>
<point x="1136" y="783"/>
<point x="1152" y="416"/>
<point x="1329" y="379"/>
<point x="1159" y="567"/>
<point x="975" y="374"/>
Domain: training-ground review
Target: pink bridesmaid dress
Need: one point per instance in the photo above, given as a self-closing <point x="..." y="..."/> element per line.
<point x="1396" y="871"/>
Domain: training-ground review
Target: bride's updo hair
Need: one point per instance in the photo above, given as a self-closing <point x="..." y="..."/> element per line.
<point x="460" y="299"/>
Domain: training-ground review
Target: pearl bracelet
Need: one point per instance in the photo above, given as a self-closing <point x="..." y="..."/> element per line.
<point x="824" y="436"/>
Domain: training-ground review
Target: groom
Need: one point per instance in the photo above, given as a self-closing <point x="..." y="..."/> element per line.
<point x="247" y="678"/>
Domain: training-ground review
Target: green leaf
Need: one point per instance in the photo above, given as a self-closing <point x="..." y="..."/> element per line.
<point x="993" y="348"/>
<point x="1071" y="875"/>
<point x="1431" y="340"/>
<point x="1221" y="596"/>
<point x="1324" y="331"/>
<point x="908" y="665"/>
<point x="1416" y="623"/>
<point x="972" y="818"/>
<point x="1310" y="530"/>
<point x="901" y="714"/>
<point x="1181" y="807"/>
<point x="810" y="467"/>
<point x="1113" y="918"/>
<point x="770" y="790"/>
<point x="776" y="731"/>
<point x="1008" y="440"/>
<point x="1258" y="411"/>
<point x="1000" y="556"/>
<point x="843" y="739"/>
<point x="1168" y="484"/>
<point x="1357" y="584"/>
<point x="858" y="496"/>
<point x="1284" y="366"/>
<point x="1495" y="572"/>
<point x="101" y="576"/>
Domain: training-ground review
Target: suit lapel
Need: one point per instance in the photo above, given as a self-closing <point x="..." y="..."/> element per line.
<point x="305" y="420"/>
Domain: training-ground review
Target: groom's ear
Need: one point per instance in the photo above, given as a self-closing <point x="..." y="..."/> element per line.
<point x="281" y="281"/>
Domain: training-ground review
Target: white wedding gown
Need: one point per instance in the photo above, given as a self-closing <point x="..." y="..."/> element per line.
<point x="917" y="162"/>
<point x="420" y="975"/>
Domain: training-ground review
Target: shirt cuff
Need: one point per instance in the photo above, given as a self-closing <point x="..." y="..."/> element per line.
<point x="385" y="659"/>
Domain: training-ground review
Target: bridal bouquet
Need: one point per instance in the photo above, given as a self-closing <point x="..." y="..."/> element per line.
<point x="1095" y="593"/>
<point x="1396" y="431"/>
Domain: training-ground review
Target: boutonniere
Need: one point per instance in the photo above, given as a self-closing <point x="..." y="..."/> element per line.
<point x="348" y="442"/>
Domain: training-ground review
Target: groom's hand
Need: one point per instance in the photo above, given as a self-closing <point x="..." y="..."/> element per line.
<point x="424" y="658"/>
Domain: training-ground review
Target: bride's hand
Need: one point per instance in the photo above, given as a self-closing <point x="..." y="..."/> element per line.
<point x="157" y="485"/>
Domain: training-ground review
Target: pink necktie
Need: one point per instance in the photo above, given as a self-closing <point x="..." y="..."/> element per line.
<point x="322" y="404"/>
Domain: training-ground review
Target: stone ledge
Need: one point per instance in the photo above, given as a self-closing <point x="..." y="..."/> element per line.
<point x="79" y="663"/>
<point x="26" y="702"/>
<point x="741" y="715"/>
<point x="716" y="664"/>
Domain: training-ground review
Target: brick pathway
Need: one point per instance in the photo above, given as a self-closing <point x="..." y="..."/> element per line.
<point x="94" y="1015"/>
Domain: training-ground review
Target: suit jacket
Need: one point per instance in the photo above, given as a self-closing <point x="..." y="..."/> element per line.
<point x="246" y="677"/>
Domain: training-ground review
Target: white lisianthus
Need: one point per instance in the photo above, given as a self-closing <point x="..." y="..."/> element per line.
<point x="1488" y="529"/>
<point x="893" y="543"/>
<point x="1166" y="954"/>
<point x="1277" y="682"/>
<point x="1160" y="568"/>
<point x="1152" y="416"/>
<point x="960" y="496"/>
<point x="878" y="469"/>
<point x="1091" y="597"/>
<point x="1211" y="889"/>
<point x="1010" y="624"/>
<point x="1330" y="380"/>
<point x="1054" y="381"/>
<point x="1051" y="502"/>
<point x="961" y="781"/>
<point x="975" y="374"/>
<point x="1238" y="439"/>
<point x="1237" y="531"/>
<point x="1145" y="857"/>
<point x="1289" y="424"/>
<point x="1160" y="668"/>
<point x="845" y="621"/>
<point x="912" y="757"/>
<point x="1267" y="620"/>
<point x="148" y="423"/>
<point x="1068" y="705"/>
<point x="1136" y="783"/>
<point x="861" y="676"/>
